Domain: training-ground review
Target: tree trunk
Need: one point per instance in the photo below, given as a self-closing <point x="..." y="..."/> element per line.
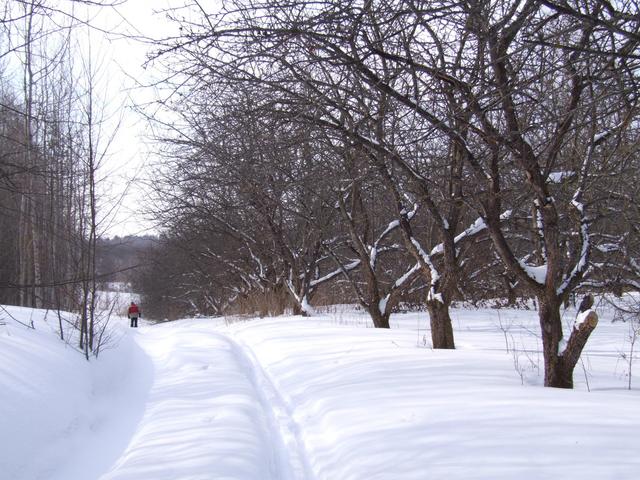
<point x="556" y="372"/>
<point x="299" y="310"/>
<point x="512" y="297"/>
<point x="298" y="295"/>
<point x="441" y="329"/>
<point x="23" y="249"/>
<point x="580" y="333"/>
<point x="37" y="271"/>
<point x="379" y="319"/>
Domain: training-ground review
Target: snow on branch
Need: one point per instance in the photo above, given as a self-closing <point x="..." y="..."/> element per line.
<point x="602" y="136"/>
<point x="351" y="266"/>
<point x="559" y="177"/>
<point x="475" y="228"/>
<point x="399" y="283"/>
<point x="374" y="249"/>
<point x="433" y="271"/>
<point x="583" y="325"/>
<point x="540" y="227"/>
<point x="257" y="260"/>
<point x="608" y="248"/>
<point x="537" y="273"/>
<point x="582" y="262"/>
<point x="292" y="290"/>
<point x="404" y="278"/>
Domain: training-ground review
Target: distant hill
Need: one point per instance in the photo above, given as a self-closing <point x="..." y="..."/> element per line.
<point x="117" y="258"/>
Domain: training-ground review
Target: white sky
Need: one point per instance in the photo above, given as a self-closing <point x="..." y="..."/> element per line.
<point x="130" y="156"/>
<point x="118" y="53"/>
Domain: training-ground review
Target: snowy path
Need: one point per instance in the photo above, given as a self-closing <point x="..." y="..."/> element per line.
<point x="295" y="462"/>
<point x="211" y="413"/>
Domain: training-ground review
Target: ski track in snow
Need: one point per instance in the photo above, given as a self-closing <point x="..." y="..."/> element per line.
<point x="291" y="456"/>
<point x="192" y="406"/>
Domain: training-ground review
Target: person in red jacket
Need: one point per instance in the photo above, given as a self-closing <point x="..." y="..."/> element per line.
<point x="134" y="313"/>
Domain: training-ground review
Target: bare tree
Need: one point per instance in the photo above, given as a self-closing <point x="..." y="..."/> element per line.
<point x="243" y="175"/>
<point x="499" y="118"/>
<point x="46" y="175"/>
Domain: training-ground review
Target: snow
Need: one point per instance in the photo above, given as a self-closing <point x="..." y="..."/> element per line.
<point x="306" y="306"/>
<point x="506" y="215"/>
<point x="431" y="296"/>
<point x="578" y="205"/>
<point x="606" y="133"/>
<point x="373" y="250"/>
<point x="382" y="304"/>
<point x="439" y="248"/>
<point x="407" y="275"/>
<point x="435" y="276"/>
<point x="260" y="265"/>
<point x="608" y="247"/>
<point x="54" y="405"/>
<point x="536" y="273"/>
<point x="597" y="138"/>
<point x="320" y="398"/>
<point x="476" y="227"/>
<point x="473" y="229"/>
<point x="354" y="264"/>
<point x="581" y="263"/>
<point x="559" y="177"/>
<point x="425" y="258"/>
<point x="582" y="317"/>
<point x="373" y="256"/>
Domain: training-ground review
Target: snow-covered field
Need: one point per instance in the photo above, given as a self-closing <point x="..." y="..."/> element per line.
<point x="320" y="398"/>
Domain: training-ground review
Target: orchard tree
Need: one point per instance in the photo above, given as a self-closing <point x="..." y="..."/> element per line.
<point x="319" y="71"/>
<point x="504" y="118"/>
<point x="236" y="169"/>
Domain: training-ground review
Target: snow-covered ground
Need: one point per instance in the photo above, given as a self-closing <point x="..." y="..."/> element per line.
<point x="312" y="398"/>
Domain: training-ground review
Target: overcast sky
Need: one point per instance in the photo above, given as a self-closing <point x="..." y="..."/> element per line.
<point x="118" y="40"/>
<point x="130" y="157"/>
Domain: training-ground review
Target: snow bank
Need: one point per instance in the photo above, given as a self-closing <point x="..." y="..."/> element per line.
<point x="62" y="417"/>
